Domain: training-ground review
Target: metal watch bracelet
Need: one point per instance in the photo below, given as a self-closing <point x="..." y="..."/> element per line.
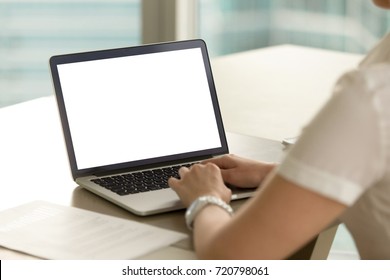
<point x="200" y="203"/>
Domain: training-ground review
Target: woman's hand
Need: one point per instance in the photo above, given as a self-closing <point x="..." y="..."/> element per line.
<point x="242" y="172"/>
<point x="200" y="180"/>
<point x="209" y="177"/>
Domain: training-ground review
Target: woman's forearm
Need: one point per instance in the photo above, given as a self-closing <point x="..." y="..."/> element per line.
<point x="208" y="226"/>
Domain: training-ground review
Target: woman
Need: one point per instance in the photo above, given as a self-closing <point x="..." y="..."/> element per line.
<point x="338" y="169"/>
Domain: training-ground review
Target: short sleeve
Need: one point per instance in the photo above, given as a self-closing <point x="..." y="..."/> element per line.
<point x="338" y="155"/>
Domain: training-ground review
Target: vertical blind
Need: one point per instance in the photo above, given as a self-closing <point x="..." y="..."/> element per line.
<point x="33" y="30"/>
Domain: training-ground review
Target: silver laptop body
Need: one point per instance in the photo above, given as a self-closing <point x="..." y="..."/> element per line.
<point x="137" y="109"/>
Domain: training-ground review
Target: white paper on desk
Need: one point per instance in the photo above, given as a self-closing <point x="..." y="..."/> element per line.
<point x="52" y="231"/>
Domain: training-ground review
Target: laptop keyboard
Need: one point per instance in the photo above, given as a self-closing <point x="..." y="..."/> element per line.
<point x="143" y="181"/>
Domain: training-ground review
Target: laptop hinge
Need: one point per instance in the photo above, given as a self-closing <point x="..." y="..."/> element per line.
<point x="116" y="170"/>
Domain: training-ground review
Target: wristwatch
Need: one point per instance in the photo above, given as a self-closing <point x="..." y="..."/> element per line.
<point x="200" y="203"/>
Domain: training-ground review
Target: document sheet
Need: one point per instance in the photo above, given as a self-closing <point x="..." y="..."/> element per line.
<point x="51" y="231"/>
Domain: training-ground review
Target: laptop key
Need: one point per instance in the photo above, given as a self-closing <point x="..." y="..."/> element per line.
<point x="137" y="182"/>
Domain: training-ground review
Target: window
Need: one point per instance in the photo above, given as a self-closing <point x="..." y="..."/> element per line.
<point x="346" y="25"/>
<point x="33" y="30"/>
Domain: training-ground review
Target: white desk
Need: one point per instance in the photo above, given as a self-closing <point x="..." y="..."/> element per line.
<point x="273" y="92"/>
<point x="268" y="93"/>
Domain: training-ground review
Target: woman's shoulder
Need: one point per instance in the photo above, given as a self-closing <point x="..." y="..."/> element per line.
<point x="379" y="54"/>
<point x="369" y="80"/>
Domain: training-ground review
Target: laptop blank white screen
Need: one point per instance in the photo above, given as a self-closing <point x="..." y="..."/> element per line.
<point x="138" y="107"/>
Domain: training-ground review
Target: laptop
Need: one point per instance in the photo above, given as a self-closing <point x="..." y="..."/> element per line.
<point x="133" y="116"/>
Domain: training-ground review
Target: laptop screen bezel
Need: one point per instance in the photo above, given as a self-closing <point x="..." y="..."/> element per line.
<point x="130" y="51"/>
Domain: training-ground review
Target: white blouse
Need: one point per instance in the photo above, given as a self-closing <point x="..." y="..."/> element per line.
<point x="344" y="153"/>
